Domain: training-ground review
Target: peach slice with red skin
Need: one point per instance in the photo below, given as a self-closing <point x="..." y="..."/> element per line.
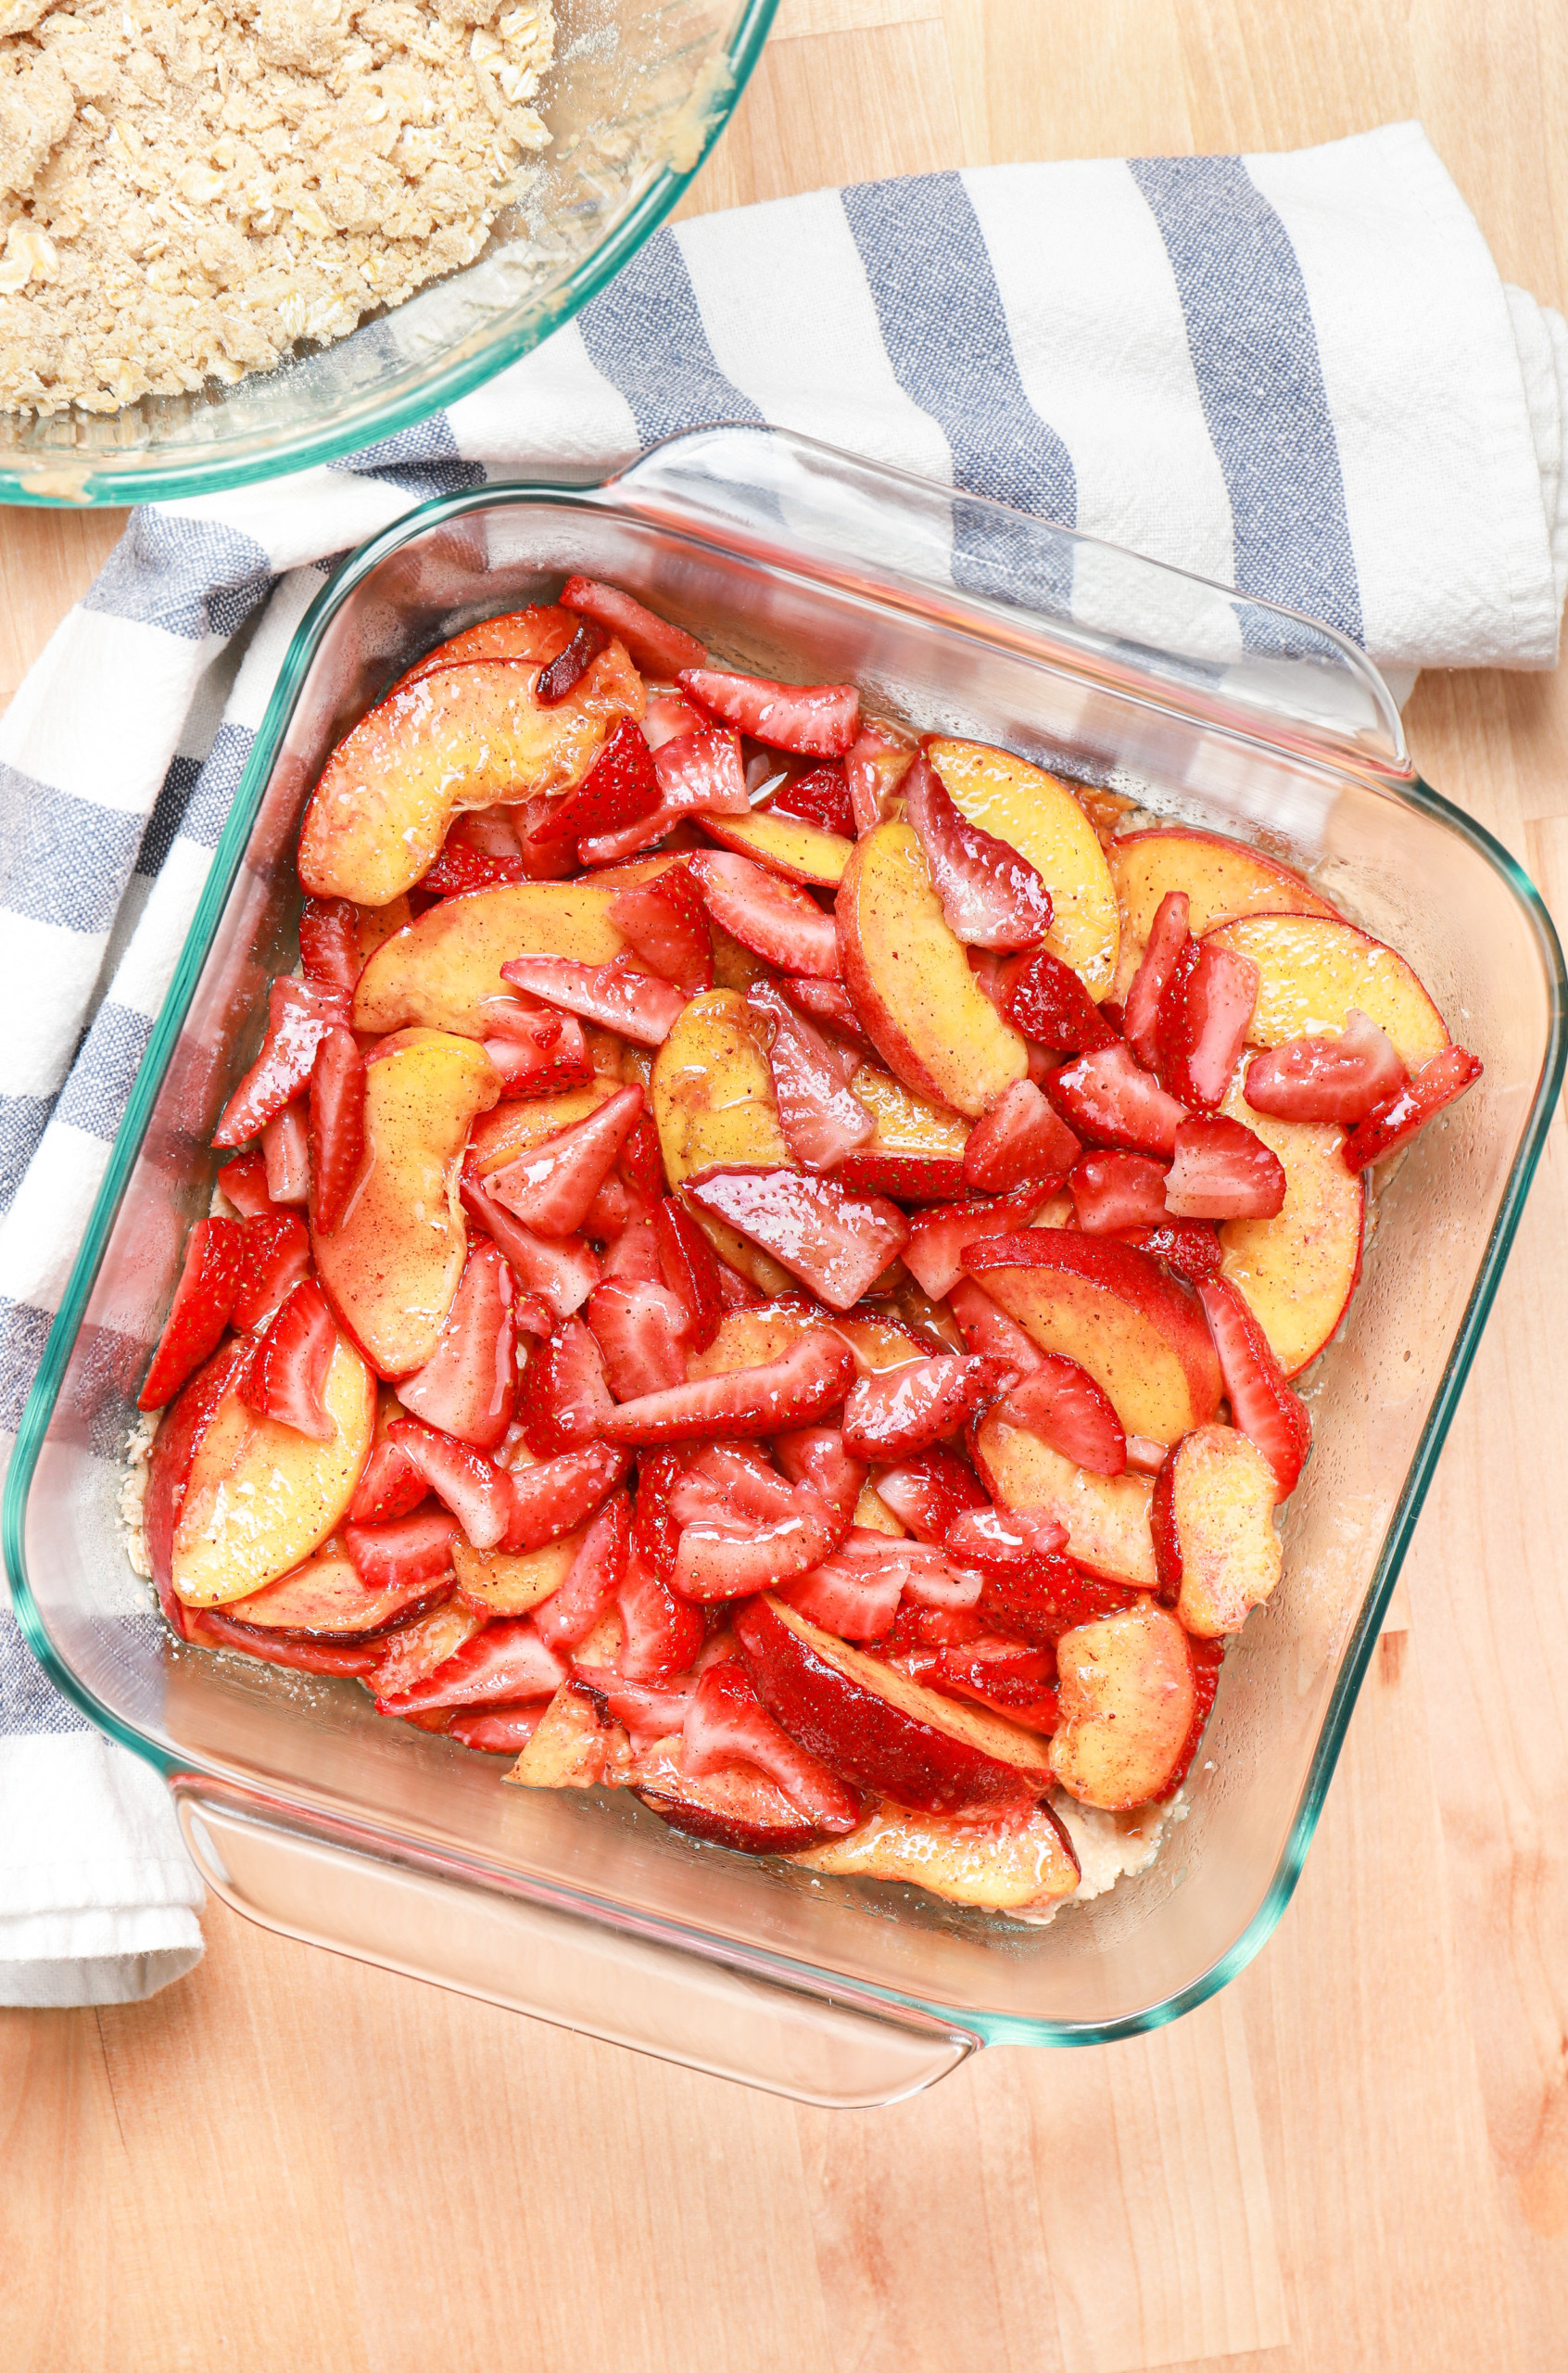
<point x="443" y="970"/>
<point x="1314" y="971"/>
<point x="1298" y="1270"/>
<point x="1127" y="1696"/>
<point x="785" y="845"/>
<point x="1106" y="1516"/>
<point x="324" y="1599"/>
<point x="740" y="1808"/>
<point x="1039" y="817"/>
<point x="1019" y="1862"/>
<point x="1219" y="878"/>
<point x="1215" y="1544"/>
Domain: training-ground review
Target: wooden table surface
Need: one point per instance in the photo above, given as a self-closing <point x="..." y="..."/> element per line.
<point x="1357" y="2156"/>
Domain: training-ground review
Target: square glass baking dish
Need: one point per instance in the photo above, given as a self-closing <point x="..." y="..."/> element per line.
<point x="307" y="1810"/>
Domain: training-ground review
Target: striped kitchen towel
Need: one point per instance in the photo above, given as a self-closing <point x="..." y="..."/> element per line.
<point x="1299" y="374"/>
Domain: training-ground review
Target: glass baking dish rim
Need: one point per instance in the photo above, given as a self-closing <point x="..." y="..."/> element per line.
<point x="991" y="2027"/>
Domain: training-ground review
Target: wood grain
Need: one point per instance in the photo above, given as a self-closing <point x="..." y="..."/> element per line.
<point x="1355" y="2157"/>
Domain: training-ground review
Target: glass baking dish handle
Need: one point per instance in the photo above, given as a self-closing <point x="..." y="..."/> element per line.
<point x="330" y="1884"/>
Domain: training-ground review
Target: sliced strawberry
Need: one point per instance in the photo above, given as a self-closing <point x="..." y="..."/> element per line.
<point x="664" y="1632"/>
<point x="562" y="1274"/>
<point x="1017" y="1681"/>
<point x="1435" y="1084"/>
<point x="701" y="773"/>
<point x="822" y="1119"/>
<point x="641" y="1332"/>
<point x="1019" y="1138"/>
<point x="655" y="1532"/>
<point x="1168" y="938"/>
<point x="1262" y="1405"/>
<point x="782" y="924"/>
<point x="856" y="1600"/>
<point x="930" y="1492"/>
<point x="337" y="1128"/>
<point x="541" y="1053"/>
<point x="925" y="1575"/>
<point x="244" y="1184"/>
<point x="905" y="1178"/>
<point x="669" y="714"/>
<point x="204" y="1299"/>
<point x="1112" y="1192"/>
<point x="299" y="1014"/>
<point x="817" y="720"/>
<point x="389" y="1487"/>
<point x="900" y="1412"/>
<point x="497" y="1730"/>
<point x="726" y="1723"/>
<point x="642" y="1167"/>
<point x="215" y="1627"/>
<point x="1190" y="1247"/>
<point x="552" y="1499"/>
<point x="286" y="1378"/>
<point x="796" y="1390"/>
<point x="1049" y="1003"/>
<point x="1223" y="1170"/>
<point x="991" y="1536"/>
<point x="463" y="1478"/>
<point x="656" y="647"/>
<point x="821" y="798"/>
<point x="991" y="896"/>
<point x="1108" y="1100"/>
<point x="465" y="1387"/>
<point x="274" y="1254"/>
<point x="460" y="867"/>
<point x="836" y="1241"/>
<point x="329" y="944"/>
<point x="564" y="1400"/>
<point x="595" y="1577"/>
<point x="551" y="1188"/>
<point x="620" y="788"/>
<point x="731" y="1480"/>
<point x="935" y="1251"/>
<point x="1341" y="1079"/>
<point x="632" y="1259"/>
<point x="690" y="1269"/>
<point x="609" y="1215"/>
<point x="816" y="1454"/>
<point x="1201" y="1026"/>
<point x="737" y="1292"/>
<point x="505" y="1662"/>
<point x="561" y="678"/>
<point x="665" y="922"/>
<point x="873" y="767"/>
<point x="1036" y="1597"/>
<point x="725" y="1552"/>
<point x="989" y="1332"/>
<point x="285" y="1149"/>
<point x="1062" y="1403"/>
<point x="416" y="1549"/>
<point x="823" y="1001"/>
<point x="420" y="1648"/>
<point x="638" y="1005"/>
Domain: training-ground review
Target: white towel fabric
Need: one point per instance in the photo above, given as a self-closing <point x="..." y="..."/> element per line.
<point x="1299" y="374"/>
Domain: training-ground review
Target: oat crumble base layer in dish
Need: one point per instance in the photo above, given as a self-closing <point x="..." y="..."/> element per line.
<point x="187" y="191"/>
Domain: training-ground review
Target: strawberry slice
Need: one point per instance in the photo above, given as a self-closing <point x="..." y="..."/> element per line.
<point x="643" y="1167"/>
<point x="1435" y="1084"/>
<point x="1019" y="1138"/>
<point x="690" y="1269"/>
<point x="619" y="789"/>
<point x="1222" y="1170"/>
<point x="215" y="1627"/>
<point x="822" y="1119"/>
<point x="564" y="1400"/>
<point x="647" y="1710"/>
<point x="729" y="1553"/>
<point x="737" y="1292"/>
<point x="796" y="1390"/>
<point x="899" y="1412"/>
<point x="1168" y="938"/>
<point x="1035" y="1597"/>
<point x="816" y="1454"/>
<point x="834" y="1240"/>
<point x="561" y="676"/>
<point x="465" y="1387"/>
<point x="554" y="1499"/>
<point x="926" y="1578"/>
<point x="731" y="1480"/>
<point x="1107" y="1101"/>
<point x="654" y="646"/>
<point x="1062" y="1403"/>
<point x="505" y="1662"/>
<point x="821" y="797"/>
<point x="641" y="1331"/>
<point x="286" y="1150"/>
<point x="287" y="1378"/>
<point x="664" y="1632"/>
<point x="1112" y="1192"/>
<point x="930" y="1492"/>
<point x="850" y="1596"/>
<point x="551" y="1188"/>
<point x="727" y="1724"/>
<point x="817" y="720"/>
<point x="632" y="1259"/>
<point x="823" y="1001"/>
<point x="337" y="1128"/>
<point x="669" y="714"/>
<point x="655" y="1532"/>
<point x="204" y="1299"/>
<point x="274" y="1254"/>
<point x="1017" y="1681"/>
<point x="990" y="1536"/>
<point x="244" y="1184"/>
<point x="329" y="944"/>
<point x="666" y="923"/>
<point x="389" y="1487"/>
<point x="464" y="1479"/>
<point x="1341" y="1079"/>
<point x="495" y="1729"/>
<point x="991" y="896"/>
<point x="541" y="1053"/>
<point x="397" y="1556"/>
<point x="460" y="867"/>
<point x="638" y="1004"/>
<point x="935" y="1251"/>
<point x="873" y="767"/>
<point x="298" y="1017"/>
<point x="562" y="1274"/>
<point x="1262" y="1405"/>
<point x="596" y="1574"/>
<point x="782" y="924"/>
<point x="1201" y="1026"/>
<point x="417" y="1649"/>
<point x="1049" y="1003"/>
<point x="989" y="1332"/>
<point x="1189" y="1247"/>
<point x="701" y="773"/>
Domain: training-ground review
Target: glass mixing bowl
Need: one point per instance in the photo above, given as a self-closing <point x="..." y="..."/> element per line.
<point x="305" y="1809"/>
<point x="639" y="93"/>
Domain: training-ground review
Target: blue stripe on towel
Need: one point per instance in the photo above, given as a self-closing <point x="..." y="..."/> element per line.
<point x="945" y="330"/>
<point x="645" y="335"/>
<point x="1255" y="354"/>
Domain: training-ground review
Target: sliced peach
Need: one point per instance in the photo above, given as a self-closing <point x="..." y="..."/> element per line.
<point x="1039" y="817"/>
<point x="1215" y="1544"/>
<point x="714" y="1106"/>
<point x="739" y="1808"/>
<point x="538" y="634"/>
<point x="1221" y="878"/>
<point x="1116" y="1312"/>
<point x="920" y="1003"/>
<point x="392" y="1267"/>
<point x="259" y="1498"/>
<point x="785" y="845"/>
<point x="459" y="737"/>
<point x="1298" y="1270"/>
<point x="909" y="1125"/>
<point x="878" y="1341"/>
<point x="1127" y="1703"/>
<point x="444" y="970"/>
<point x="1106" y="1516"/>
<point x="499" y="1581"/>
<point x="1313" y="970"/>
<point x="574" y="1746"/>
<point x="872" y="1514"/>
<point x="1022" y="1862"/>
<point x="508" y="1130"/>
<point x="752" y="1338"/>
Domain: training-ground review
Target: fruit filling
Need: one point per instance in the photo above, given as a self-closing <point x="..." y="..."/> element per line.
<point x="764" y="1259"/>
